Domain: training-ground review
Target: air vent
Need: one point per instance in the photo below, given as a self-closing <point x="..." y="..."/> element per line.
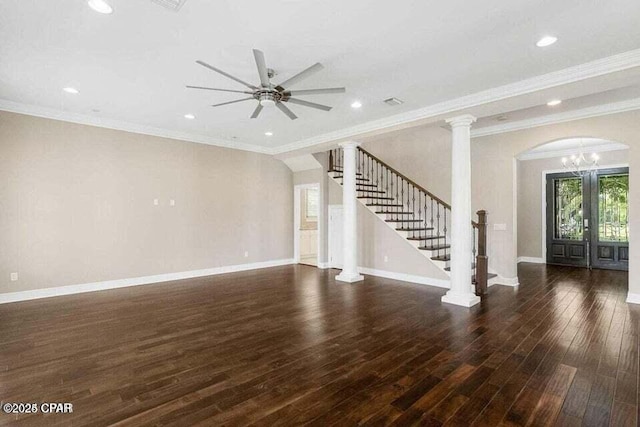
<point x="174" y="5"/>
<point x="393" y="101"/>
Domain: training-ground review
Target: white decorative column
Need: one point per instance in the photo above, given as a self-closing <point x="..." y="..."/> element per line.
<point x="461" y="239"/>
<point x="349" y="215"/>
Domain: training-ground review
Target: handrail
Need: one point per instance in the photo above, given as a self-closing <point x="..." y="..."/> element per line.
<point x="409" y="180"/>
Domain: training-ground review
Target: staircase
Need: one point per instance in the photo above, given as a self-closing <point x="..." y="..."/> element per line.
<point x="420" y="217"/>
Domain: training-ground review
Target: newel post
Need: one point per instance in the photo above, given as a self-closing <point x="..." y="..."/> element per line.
<point x="482" y="261"/>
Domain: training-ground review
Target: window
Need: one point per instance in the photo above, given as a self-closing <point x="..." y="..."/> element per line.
<point x="311" y="205"/>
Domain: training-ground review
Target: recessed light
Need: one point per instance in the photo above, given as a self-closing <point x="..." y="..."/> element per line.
<point x="356" y="104"/>
<point x="546" y="41"/>
<point x="189" y="116"/>
<point x="100" y="6"/>
<point x="554" y="102"/>
<point x="72" y="90"/>
<point x="269" y="133"/>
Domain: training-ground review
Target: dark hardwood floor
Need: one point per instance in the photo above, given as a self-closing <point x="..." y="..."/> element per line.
<point x="288" y="346"/>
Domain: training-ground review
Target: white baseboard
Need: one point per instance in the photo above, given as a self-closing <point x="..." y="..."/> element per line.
<point x="505" y="281"/>
<point x="534" y="260"/>
<point x="136" y="281"/>
<point x="633" y="298"/>
<point x="323" y="265"/>
<point x="423" y="280"/>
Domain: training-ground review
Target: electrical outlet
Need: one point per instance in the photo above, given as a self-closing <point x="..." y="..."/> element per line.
<point x="246" y="254"/>
<point x="172" y="202"/>
<point x="156" y="202"/>
<point x="386" y="258"/>
<point x="14" y="277"/>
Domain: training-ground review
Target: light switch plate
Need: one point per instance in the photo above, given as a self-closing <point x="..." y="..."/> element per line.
<point x="156" y="202"/>
<point x="172" y="202"/>
<point x="500" y="227"/>
<point x="14" y="277"/>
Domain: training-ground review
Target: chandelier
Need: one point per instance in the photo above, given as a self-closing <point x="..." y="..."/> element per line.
<point x="579" y="165"/>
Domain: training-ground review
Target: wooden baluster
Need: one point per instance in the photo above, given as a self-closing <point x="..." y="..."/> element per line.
<point x="482" y="261"/>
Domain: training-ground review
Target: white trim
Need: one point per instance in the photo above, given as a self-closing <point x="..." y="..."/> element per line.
<point x="613" y="146"/>
<point x="422" y="280"/>
<point x="83" y="119"/>
<point x="573" y="74"/>
<point x="505" y="281"/>
<point x="136" y="281"/>
<point x="531" y="259"/>
<point x="567" y="116"/>
<point x="323" y="265"/>
<point x="633" y="298"/>
<point x="296" y="219"/>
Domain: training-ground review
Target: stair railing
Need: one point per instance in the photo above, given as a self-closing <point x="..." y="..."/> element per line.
<point x="422" y="215"/>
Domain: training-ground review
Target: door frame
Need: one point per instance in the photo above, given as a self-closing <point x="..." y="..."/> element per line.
<point x="543" y="255"/>
<point x="297" y="191"/>
<point x="330" y="210"/>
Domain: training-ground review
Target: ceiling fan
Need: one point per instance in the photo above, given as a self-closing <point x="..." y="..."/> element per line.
<point x="267" y="94"/>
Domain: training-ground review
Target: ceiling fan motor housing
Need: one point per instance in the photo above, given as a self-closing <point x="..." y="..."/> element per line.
<point x="268" y="98"/>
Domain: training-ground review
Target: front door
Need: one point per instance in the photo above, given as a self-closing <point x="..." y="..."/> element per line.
<point x="587" y="219"/>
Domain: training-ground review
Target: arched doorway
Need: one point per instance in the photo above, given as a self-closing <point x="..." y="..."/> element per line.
<point x="583" y="202"/>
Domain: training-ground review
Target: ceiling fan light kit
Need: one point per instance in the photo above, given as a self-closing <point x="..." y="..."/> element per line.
<point x="269" y="95"/>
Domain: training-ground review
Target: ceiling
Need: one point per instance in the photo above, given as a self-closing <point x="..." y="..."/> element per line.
<point x="132" y="66"/>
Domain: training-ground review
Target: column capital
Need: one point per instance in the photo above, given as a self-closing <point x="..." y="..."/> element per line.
<point x="349" y="144"/>
<point x="463" y="120"/>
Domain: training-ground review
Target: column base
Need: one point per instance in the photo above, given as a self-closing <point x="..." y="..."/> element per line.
<point x="464" y="300"/>
<point x="349" y="277"/>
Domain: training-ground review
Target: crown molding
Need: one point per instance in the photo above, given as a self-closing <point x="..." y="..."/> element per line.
<point x="611" y="64"/>
<point x="83" y="119"/>
<point x="567" y="116"/>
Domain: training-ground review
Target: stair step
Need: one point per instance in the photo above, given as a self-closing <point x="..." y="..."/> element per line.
<point x="449" y="268"/>
<point x="375" y="197"/>
<point x="341" y="170"/>
<point x="357" y="178"/>
<point x="384" y="204"/>
<point x="434" y="248"/>
<point x="415" y="229"/>
<point x="425" y="238"/>
<point x="366" y="185"/>
<point x="370" y="191"/>
<point x="403" y="220"/>
<point x="441" y="258"/>
<point x="394" y="212"/>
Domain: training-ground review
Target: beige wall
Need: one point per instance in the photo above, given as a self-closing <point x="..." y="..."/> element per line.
<point x="423" y="154"/>
<point x="76" y="205"/>
<point x="530" y="203"/>
<point x="494" y="170"/>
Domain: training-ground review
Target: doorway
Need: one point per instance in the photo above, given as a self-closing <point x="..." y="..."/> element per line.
<point x="306" y="233"/>
<point x="587" y="219"/>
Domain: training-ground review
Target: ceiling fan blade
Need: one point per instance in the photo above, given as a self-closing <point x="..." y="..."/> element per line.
<point x="285" y="110"/>
<point x="309" y="104"/>
<point x="212" y="68"/>
<point x="256" y="112"/>
<point x="301" y="76"/>
<point x="219" y="90"/>
<point x="232" y="102"/>
<point x="262" y="67"/>
<point x="316" y="91"/>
